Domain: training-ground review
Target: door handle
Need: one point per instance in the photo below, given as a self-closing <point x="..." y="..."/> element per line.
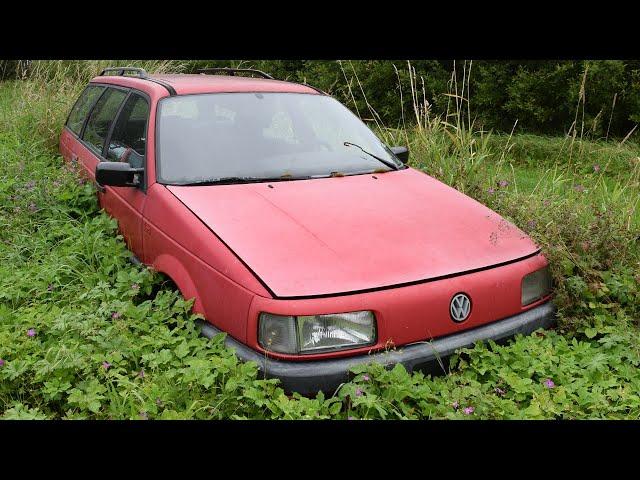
<point x="101" y="188"/>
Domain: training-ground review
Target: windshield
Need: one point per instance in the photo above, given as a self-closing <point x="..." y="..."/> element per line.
<point x="235" y="136"/>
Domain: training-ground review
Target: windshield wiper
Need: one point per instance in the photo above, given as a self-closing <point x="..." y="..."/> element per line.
<point x="232" y="180"/>
<point x="386" y="162"/>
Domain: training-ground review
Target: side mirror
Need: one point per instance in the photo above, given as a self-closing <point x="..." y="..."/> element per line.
<point x="402" y="153"/>
<point x="118" y="174"/>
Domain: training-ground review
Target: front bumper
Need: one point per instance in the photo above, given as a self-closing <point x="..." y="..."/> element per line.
<point x="308" y="377"/>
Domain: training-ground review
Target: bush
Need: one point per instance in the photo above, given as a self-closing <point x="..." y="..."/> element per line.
<point x="543" y="96"/>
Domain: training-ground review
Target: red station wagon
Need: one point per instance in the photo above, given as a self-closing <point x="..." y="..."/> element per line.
<point x="298" y="232"/>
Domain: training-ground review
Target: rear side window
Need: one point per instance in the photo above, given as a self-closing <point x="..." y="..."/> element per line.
<point x="128" y="141"/>
<point x="101" y="118"/>
<point x="81" y="108"/>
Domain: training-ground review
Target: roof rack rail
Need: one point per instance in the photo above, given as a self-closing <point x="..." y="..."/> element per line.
<point x="122" y="70"/>
<point x="233" y="71"/>
<point x="321" y="92"/>
<point x="141" y="73"/>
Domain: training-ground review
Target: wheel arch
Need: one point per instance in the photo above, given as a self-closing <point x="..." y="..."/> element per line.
<point x="178" y="274"/>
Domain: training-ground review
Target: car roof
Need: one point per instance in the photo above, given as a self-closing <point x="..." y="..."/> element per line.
<point x="186" y="84"/>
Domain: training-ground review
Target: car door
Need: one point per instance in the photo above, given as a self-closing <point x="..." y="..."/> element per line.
<point x="127" y="143"/>
<point x="125" y="204"/>
<point x="70" y="140"/>
<point x="98" y="126"/>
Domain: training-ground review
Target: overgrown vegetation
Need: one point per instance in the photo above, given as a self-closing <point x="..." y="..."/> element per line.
<point x="86" y="334"/>
<point x="602" y="97"/>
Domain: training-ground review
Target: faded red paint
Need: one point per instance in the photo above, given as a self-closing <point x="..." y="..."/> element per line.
<point x="343" y="234"/>
<point x="239" y="249"/>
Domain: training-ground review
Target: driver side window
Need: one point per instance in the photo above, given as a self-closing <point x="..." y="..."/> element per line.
<point x="128" y="141"/>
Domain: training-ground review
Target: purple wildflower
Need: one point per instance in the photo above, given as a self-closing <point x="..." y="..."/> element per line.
<point x="503" y="183"/>
<point x="33" y="207"/>
<point x="144" y="416"/>
<point x="579" y="188"/>
<point x="30" y="184"/>
<point x="596" y="168"/>
<point x="31" y="332"/>
<point x="549" y="383"/>
<point x="159" y="402"/>
<point x="546" y="203"/>
<point x="1" y="362"/>
<point x="50" y="287"/>
<point x="468" y="410"/>
<point x="141" y="373"/>
<point x="115" y="315"/>
<point x="359" y="392"/>
<point x="532" y="223"/>
<point x="135" y="286"/>
<point x="455" y="405"/>
<point x="500" y="391"/>
<point x="490" y="190"/>
<point x="366" y="378"/>
<point x="106" y="365"/>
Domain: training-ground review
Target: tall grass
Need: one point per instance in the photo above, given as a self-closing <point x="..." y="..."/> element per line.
<point x="577" y="197"/>
<point x="49" y="88"/>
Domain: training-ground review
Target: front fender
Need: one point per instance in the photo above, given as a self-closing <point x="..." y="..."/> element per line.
<point x="173" y="268"/>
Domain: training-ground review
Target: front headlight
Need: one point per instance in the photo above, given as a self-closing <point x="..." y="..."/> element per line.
<point x="536" y="285"/>
<point x="316" y="333"/>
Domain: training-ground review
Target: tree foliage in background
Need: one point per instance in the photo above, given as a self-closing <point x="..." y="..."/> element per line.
<point x="542" y="96"/>
<point x="594" y="98"/>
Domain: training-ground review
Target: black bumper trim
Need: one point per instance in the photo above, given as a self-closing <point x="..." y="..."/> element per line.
<point x="308" y="377"/>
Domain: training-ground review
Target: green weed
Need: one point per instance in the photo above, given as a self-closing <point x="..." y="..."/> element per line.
<point x="86" y="334"/>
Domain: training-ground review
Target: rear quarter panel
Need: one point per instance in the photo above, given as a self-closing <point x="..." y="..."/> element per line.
<point x="66" y="144"/>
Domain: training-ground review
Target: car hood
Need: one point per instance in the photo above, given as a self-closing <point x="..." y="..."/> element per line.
<point x="344" y="234"/>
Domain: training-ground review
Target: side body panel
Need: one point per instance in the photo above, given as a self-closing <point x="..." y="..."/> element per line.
<point x="125" y="204"/>
<point x="67" y="144"/>
<point x="172" y="240"/>
<point x="181" y="246"/>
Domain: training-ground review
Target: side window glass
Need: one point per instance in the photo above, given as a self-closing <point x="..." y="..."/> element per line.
<point x="101" y="117"/>
<point x="81" y="108"/>
<point x="128" y="141"/>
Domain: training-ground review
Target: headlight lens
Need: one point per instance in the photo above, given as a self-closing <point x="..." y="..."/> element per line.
<point x="278" y="333"/>
<point x="536" y="285"/>
<point x="335" y="332"/>
<point x="316" y="333"/>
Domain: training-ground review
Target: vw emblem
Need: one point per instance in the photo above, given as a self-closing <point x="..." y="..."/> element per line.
<point x="460" y="307"/>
